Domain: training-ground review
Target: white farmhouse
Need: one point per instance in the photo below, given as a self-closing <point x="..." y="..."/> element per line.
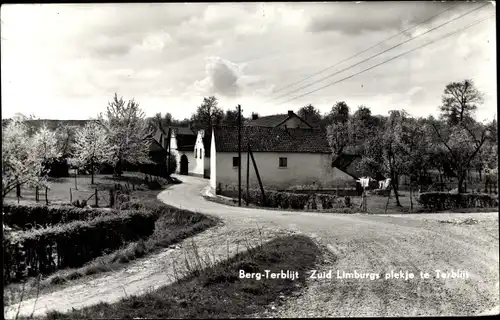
<point x="285" y="157"/>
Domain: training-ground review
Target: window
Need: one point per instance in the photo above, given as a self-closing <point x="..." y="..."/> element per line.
<point x="201" y="153"/>
<point x="235" y="161"/>
<point x="196" y="153"/>
<point x="283" y="162"/>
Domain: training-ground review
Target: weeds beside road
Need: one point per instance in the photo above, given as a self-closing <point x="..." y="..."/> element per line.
<point x="366" y="243"/>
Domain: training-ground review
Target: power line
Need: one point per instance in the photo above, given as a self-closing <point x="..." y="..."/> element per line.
<point x="393" y="58"/>
<point x="375" y="45"/>
<point x="380" y="53"/>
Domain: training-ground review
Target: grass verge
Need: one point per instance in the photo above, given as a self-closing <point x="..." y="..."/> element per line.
<point x="213" y="290"/>
<point x="173" y="226"/>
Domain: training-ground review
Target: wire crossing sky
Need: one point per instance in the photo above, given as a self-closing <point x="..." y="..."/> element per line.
<point x="67" y="61"/>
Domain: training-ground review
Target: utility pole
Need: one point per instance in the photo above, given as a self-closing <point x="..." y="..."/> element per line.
<point x="239" y="156"/>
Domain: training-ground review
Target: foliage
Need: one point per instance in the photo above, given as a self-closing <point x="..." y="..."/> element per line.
<point x="231" y="117"/>
<point x="311" y="115"/>
<point x="208" y="114"/>
<point x="340" y="112"/>
<point x="339" y="136"/>
<point x="71" y="245"/>
<point x="390" y="149"/>
<point x="165" y="121"/>
<point x="27" y="216"/>
<point x="459" y="145"/>
<point x="126" y="129"/>
<point x="65" y="137"/>
<point x="460" y="100"/>
<point x="91" y="147"/>
<point x="436" y="201"/>
<point x="23" y="156"/>
<point x="287" y="200"/>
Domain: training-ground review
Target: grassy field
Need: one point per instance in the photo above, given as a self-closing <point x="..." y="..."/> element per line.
<point x="59" y="190"/>
<point x="215" y="290"/>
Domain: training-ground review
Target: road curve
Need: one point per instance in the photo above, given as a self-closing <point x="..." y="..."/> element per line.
<point x="378" y="244"/>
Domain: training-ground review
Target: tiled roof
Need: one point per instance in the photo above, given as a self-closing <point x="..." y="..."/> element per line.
<point x="265" y="139"/>
<point x="186" y="131"/>
<point x="185" y="141"/>
<point x="268" y="121"/>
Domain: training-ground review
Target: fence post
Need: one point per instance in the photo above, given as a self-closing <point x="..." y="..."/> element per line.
<point x="111" y="198"/>
<point x="46" y="197"/>
<point x="76" y="172"/>
<point x="70" y="196"/>
<point x="96" y="198"/>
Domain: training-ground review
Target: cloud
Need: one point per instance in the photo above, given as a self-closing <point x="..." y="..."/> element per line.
<point x="355" y="18"/>
<point x="79" y="55"/>
<point x="221" y="77"/>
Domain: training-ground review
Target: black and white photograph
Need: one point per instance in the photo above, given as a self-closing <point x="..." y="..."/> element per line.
<point x="249" y="160"/>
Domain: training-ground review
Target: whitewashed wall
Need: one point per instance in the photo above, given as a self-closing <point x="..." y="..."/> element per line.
<point x="302" y="169"/>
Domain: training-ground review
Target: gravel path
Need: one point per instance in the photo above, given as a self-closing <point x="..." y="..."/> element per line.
<point x="365" y="243"/>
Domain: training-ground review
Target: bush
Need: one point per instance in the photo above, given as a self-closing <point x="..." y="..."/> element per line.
<point x="71" y="245"/>
<point x="59" y="168"/>
<point x="288" y="200"/>
<point x="25" y="215"/>
<point x="445" y="201"/>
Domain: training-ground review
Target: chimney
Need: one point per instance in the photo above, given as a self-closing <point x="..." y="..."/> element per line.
<point x="290" y="113"/>
<point x="255" y="116"/>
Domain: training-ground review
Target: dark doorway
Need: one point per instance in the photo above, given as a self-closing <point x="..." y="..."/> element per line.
<point x="184" y="165"/>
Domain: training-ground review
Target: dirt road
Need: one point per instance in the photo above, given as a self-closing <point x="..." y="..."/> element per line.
<point x="361" y="244"/>
<point x="380" y="244"/>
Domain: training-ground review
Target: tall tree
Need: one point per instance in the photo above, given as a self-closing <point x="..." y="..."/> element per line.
<point x="411" y="144"/>
<point x="311" y="115"/>
<point x="340" y="112"/>
<point x="65" y="135"/>
<point x="20" y="165"/>
<point x="339" y="137"/>
<point x="383" y="152"/>
<point x="25" y="158"/>
<point x="208" y="114"/>
<point x="91" y="147"/>
<point x="127" y="128"/>
<point x="460" y="144"/>
<point x="231" y="117"/>
<point x="460" y="100"/>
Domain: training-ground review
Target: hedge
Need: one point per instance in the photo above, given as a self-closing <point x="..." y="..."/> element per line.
<point x="445" y="201"/>
<point x="71" y="245"/>
<point x="26" y="216"/>
<point x="289" y="200"/>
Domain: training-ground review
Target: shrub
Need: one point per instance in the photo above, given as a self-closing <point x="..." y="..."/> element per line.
<point x="287" y="200"/>
<point x="25" y="215"/>
<point x="71" y="245"/>
<point x="444" y="200"/>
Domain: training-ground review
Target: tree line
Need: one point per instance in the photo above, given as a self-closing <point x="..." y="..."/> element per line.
<point x="395" y="144"/>
<point x="115" y="137"/>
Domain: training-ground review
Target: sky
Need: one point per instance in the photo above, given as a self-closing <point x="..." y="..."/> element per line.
<point x="66" y="61"/>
